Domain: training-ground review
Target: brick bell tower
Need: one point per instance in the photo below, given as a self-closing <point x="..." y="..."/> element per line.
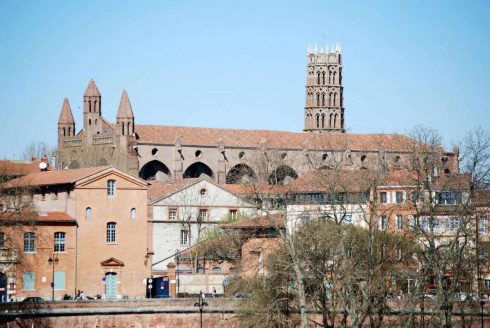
<point x="324" y="111"/>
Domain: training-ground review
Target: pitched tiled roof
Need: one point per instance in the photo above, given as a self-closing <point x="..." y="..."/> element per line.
<point x="54" y="177"/>
<point x="37" y="216"/>
<point x="272" y="220"/>
<point x="12" y="168"/>
<point x="157" y="134"/>
<point x="162" y="188"/>
<point x="66" y="115"/>
<point x="325" y="181"/>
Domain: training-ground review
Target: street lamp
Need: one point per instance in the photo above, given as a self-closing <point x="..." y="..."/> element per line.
<point x="53" y="260"/>
<point x="201" y="304"/>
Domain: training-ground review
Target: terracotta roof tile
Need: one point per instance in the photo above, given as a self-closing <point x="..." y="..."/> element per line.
<point x="13" y="168"/>
<point x="54" y="177"/>
<point x="272" y="220"/>
<point x="161" y="188"/>
<point x="37" y="216"/>
<point x="158" y="134"/>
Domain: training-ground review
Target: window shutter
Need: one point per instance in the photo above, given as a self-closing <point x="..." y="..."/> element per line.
<point x="28" y="280"/>
<point x="59" y="280"/>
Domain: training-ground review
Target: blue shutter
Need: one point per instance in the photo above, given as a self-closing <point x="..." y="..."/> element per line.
<point x="28" y="280"/>
<point x="59" y="280"/>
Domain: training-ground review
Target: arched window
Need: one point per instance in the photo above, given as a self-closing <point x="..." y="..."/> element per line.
<point x="323" y="75"/>
<point x="335" y="99"/>
<point x="89" y="106"/>
<point x="88" y="213"/>
<point x="133" y="214"/>
<point x="216" y="270"/>
<point x="335" y="121"/>
<point x="330" y="122"/>
<point x="318" y="78"/>
<point x="111" y="187"/>
<point x="69" y="131"/>
<point x="59" y="241"/>
<point x="334" y="76"/>
<point x="129" y="128"/>
<point x="318" y="99"/>
<point x="330" y="99"/>
<point x="329" y="77"/>
<point x="89" y="121"/>
<point x="111" y="232"/>
<point x="122" y="128"/>
<point x="323" y="120"/>
<point x="64" y="132"/>
<point x="323" y="99"/>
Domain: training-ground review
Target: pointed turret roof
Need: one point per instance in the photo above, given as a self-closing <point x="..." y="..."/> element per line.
<point x="92" y="90"/>
<point x="66" y="116"/>
<point x="125" y="110"/>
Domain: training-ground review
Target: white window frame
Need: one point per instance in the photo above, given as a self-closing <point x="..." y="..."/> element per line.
<point x="184" y="237"/>
<point x="29" y="242"/>
<point x="484" y="225"/>
<point x="399" y="222"/>
<point x="60" y="242"/>
<point x="172" y="214"/>
<point x="111" y="232"/>
<point x="111" y="188"/>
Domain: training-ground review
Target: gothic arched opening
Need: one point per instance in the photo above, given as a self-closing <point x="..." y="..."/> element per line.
<point x="282" y="175"/>
<point x="197" y="170"/>
<point x="154" y="170"/>
<point x="241" y="173"/>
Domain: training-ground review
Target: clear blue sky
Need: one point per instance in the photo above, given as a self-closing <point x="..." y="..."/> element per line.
<point x="241" y="64"/>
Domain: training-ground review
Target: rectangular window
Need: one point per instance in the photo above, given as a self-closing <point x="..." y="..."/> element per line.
<point x="399" y="222"/>
<point x="486" y="285"/>
<point x="172" y="214"/>
<point x="59" y="280"/>
<point x="203" y="215"/>
<point x="28" y="280"/>
<point x="449" y="198"/>
<point x="111" y="188"/>
<point x="399" y="197"/>
<point x="233" y="214"/>
<point x="383" y="197"/>
<point x="184" y="237"/>
<point x="484" y="226"/>
<point x="383" y="223"/>
<point x="452" y="223"/>
<point x="411" y="223"/>
<point x="111" y="232"/>
<point x="347" y="218"/>
<point x="59" y="242"/>
<point x="29" y="242"/>
<point x="483" y="256"/>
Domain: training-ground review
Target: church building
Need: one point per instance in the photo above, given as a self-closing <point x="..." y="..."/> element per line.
<point x="158" y="152"/>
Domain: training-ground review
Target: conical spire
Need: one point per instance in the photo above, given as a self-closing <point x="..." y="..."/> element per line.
<point x="66" y="116"/>
<point x="125" y="110"/>
<point x="92" y="90"/>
